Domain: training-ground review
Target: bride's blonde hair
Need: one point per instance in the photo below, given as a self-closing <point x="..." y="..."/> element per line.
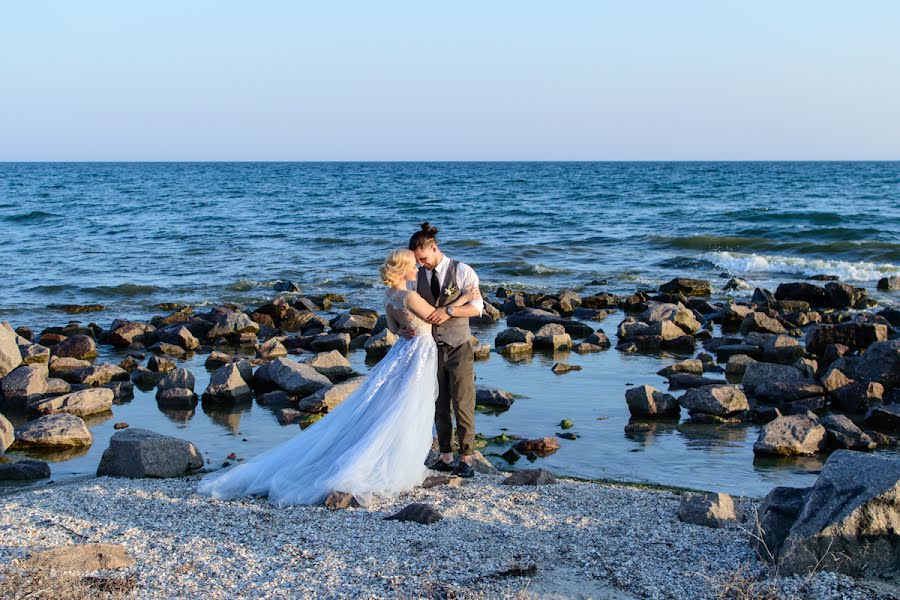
<point x="395" y="266"/>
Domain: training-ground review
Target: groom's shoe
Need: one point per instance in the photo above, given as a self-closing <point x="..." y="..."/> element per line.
<point x="464" y="469"/>
<point x="440" y="465"/>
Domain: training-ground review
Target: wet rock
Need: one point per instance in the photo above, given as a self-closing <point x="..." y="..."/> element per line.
<point x="685" y="381"/>
<point x="775" y="516"/>
<point x="327" y="397"/>
<point x="530" y="477"/>
<point x="540" y="446"/>
<point x="380" y="344"/>
<point x="227" y="385"/>
<point x="884" y="418"/>
<point x="123" y="391"/>
<point x="295" y="378"/>
<point x="733" y="314"/>
<point x="855" y="336"/>
<point x="83" y="403"/>
<point x="778" y="392"/>
<point x="7" y="434"/>
<point x="601" y="301"/>
<point x="127" y="333"/>
<point x="354" y="324"/>
<point x="176" y="379"/>
<point x="807" y="292"/>
<point x="493" y="397"/>
<point x="53" y="431"/>
<point x="288" y="416"/>
<point x="332" y="365"/>
<point x="659" y="315"/>
<point x="843" y="433"/>
<point x="139" y="453"/>
<point x="889" y="284"/>
<point x="417" y="513"/>
<point x="686" y="286"/>
<point x="34" y="354"/>
<point x="791" y="435"/>
<point x="514" y="335"/>
<point x="276" y="398"/>
<point x="718" y="400"/>
<point x="736" y="284"/>
<point x="715" y="510"/>
<point x="97" y="375"/>
<point x="334" y="341"/>
<point x="562" y="368"/>
<point x="757" y="321"/>
<point x="517" y="349"/>
<point x="145" y="379"/>
<point x="758" y="373"/>
<point x="848" y="523"/>
<point x="533" y="319"/>
<point x="229" y="324"/>
<point x="691" y="365"/>
<point x="129" y="364"/>
<point x="24" y="470"/>
<point x="482" y="351"/>
<point x="176" y="399"/>
<point x="880" y="362"/>
<point x="782" y="349"/>
<point x="217" y="359"/>
<point x="645" y="401"/>
<point x="160" y="364"/>
<point x="179" y="336"/>
<point x="737" y="365"/>
<point x="842" y="295"/>
<point x="724" y="352"/>
<point x="552" y="337"/>
<point x="341" y="501"/>
<point x="283" y="285"/>
<point x="168" y="349"/>
<point x="77" y="346"/>
<point x="24" y="384"/>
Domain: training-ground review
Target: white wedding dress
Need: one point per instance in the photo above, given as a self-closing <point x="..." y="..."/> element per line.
<point x="372" y="444"/>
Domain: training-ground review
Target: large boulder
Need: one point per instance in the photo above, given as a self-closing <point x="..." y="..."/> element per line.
<point x="711" y="510"/>
<point x="7" y="434"/>
<point x="850" y="521"/>
<point x="179" y="378"/>
<point x="646" y="401"/>
<point x="227" y="385"/>
<point x="676" y="314"/>
<point x="761" y="322"/>
<point x="10" y="356"/>
<point x="884" y="418"/>
<point x="777" y="392"/>
<point x="530" y="477"/>
<point x="354" y="324"/>
<point x="758" y="373"/>
<point x="76" y="346"/>
<point x="139" y="453"/>
<point x="295" y="378"/>
<point x="855" y="336"/>
<point x="815" y="295"/>
<point x="24" y="470"/>
<point x="380" y="344"/>
<point x="24" y="384"/>
<point x="329" y="396"/>
<point x="231" y="324"/>
<point x="880" y="362"/>
<point x="53" y="431"/>
<point x="127" y="333"/>
<point x="775" y="516"/>
<point x="331" y="341"/>
<point x="97" y="375"/>
<point x="81" y="404"/>
<point x="791" y="435"/>
<point x="718" y="400"/>
<point x="533" y="319"/>
<point x="843" y="433"/>
<point x="332" y="365"/>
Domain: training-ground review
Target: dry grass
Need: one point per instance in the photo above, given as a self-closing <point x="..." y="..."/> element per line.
<point x="47" y="584"/>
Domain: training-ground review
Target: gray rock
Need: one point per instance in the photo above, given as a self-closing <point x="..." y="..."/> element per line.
<point x="685" y="381"/>
<point x="97" y="375"/>
<point x="493" y="397"/>
<point x="129" y="332"/>
<point x="718" y="400"/>
<point x="139" y="453"/>
<point x="880" y="362"/>
<point x="179" y="378"/>
<point x="517" y="349"/>
<point x="758" y="373"/>
<point x="295" y="378"/>
<point x="855" y="335"/>
<point x="354" y="324"/>
<point x="81" y="404"/>
<point x="57" y="387"/>
<point x="160" y="364"/>
<point x="33" y="354"/>
<point x="715" y="510"/>
<point x="24" y="384"/>
<point x="176" y="399"/>
<point x="288" y="416"/>
<point x="53" y="431"/>
<point x="24" y="470"/>
<point x="179" y="335"/>
<point x="380" y="344"/>
<point x="849" y="521"/>
<point x="333" y="341"/>
<point x="757" y="321"/>
<point x="691" y="365"/>
<point x="227" y="385"/>
<point x="417" y="513"/>
<point x="737" y="365"/>
<point x="777" y="392"/>
<point x="530" y="477"/>
<point x="10" y="356"/>
<point x="884" y="418"/>
<point x="645" y="401"/>
<point x="775" y="516"/>
<point x="857" y="397"/>
<point x="843" y="433"/>
<point x="76" y="346"/>
<point x="674" y="314"/>
<point x="533" y="319"/>
<point x="145" y="379"/>
<point x="514" y="335"/>
<point x="7" y="434"/>
<point x="231" y="324"/>
<point x="327" y="397"/>
<point x="782" y="349"/>
<point x="332" y="365"/>
<point x="791" y="435"/>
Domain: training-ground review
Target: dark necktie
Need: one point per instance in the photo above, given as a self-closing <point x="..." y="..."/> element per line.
<point x="435" y="287"/>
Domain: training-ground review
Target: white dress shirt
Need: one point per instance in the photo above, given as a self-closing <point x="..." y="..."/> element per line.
<point x="465" y="277"/>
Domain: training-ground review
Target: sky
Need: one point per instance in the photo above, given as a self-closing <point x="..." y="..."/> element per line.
<point x="425" y="80"/>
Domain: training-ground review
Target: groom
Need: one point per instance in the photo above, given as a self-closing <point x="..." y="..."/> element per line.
<point x="441" y="281"/>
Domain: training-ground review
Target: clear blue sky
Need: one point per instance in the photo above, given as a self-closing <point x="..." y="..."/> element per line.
<point x="426" y="80"/>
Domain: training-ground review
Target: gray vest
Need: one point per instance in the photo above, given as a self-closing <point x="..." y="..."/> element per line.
<point x="455" y="332"/>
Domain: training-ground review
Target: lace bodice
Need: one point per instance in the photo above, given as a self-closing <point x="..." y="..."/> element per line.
<point x="399" y="316"/>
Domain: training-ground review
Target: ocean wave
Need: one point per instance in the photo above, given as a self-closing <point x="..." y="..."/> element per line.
<point x="521" y="268"/>
<point x="35" y="216"/>
<point x="769" y="215"/>
<point x="864" y="250"/>
<point x="742" y="264"/>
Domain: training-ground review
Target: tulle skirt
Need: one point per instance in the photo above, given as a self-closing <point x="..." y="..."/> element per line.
<point x="373" y="444"/>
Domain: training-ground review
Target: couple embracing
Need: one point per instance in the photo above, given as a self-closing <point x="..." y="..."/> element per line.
<point x="375" y="442"/>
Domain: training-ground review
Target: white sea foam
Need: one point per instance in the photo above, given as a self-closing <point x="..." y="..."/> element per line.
<point x="748" y="264"/>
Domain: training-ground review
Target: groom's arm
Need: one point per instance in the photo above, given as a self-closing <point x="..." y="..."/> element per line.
<point x="465" y="277"/>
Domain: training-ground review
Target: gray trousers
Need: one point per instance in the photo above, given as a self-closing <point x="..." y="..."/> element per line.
<point x="456" y="397"/>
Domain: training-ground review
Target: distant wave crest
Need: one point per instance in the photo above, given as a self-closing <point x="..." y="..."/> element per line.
<point x="740" y="263"/>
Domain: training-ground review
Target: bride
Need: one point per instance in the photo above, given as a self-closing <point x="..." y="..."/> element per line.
<point x="376" y="441"/>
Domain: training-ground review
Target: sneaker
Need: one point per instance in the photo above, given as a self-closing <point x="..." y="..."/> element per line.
<point x="440" y="465"/>
<point x="464" y="469"/>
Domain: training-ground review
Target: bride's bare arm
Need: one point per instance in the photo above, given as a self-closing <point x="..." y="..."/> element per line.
<point x="418" y="305"/>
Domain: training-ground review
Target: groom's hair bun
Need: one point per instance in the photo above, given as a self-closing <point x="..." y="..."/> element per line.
<point x="425" y="236"/>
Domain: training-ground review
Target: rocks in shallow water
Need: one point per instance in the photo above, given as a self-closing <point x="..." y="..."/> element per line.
<point x="540" y="446"/>
<point x="138" y="453"/>
<point x="493" y="397"/>
<point x="7" y="434"/>
<point x="737" y="365"/>
<point x="145" y="379"/>
<point x="176" y="398"/>
<point x="884" y="418"/>
<point x="178" y="335"/>
<point x="791" y="435"/>
<point x="807" y="292"/>
<point x="880" y="362"/>
<point x="160" y="364"/>
<point x="855" y="336"/>
<point x="533" y="319"/>
<point x="380" y="344"/>
<point x="332" y="365"/>
<point x="77" y="346"/>
<point x="562" y="368"/>
<point x="758" y="321"/>
<point x="530" y="477"/>
<point x="675" y="314"/>
<point x="848" y="522"/>
<point x="759" y="372"/>
<point x="24" y="470"/>
<point x="857" y="397"/>
<point x="83" y="403"/>
<point x="97" y="375"/>
<point x="229" y="324"/>
<point x="126" y="333"/>
<point x="333" y="341"/>
<point x="53" y="431"/>
<point x="691" y="365"/>
<point x="645" y="401"/>
<point x="481" y="351"/>
<point x="684" y="381"/>
<point x="328" y="397"/>
<point x="341" y="501"/>
<point x="295" y="378"/>
<point x="227" y="385"/>
<point x="552" y="337"/>
<point x="288" y="416"/>
<point x="513" y="335"/>
<point x="843" y="433"/>
<point x="718" y="400"/>
<point x="33" y="354"/>
<point x="686" y="286"/>
<point x="782" y="349"/>
<point x="778" y="392"/>
<point x="889" y="284"/>
<point x="711" y="510"/>
<point x="10" y="356"/>
<point x="24" y="384"/>
<point x="177" y="378"/>
<point x="417" y="513"/>
<point x="283" y="285"/>
<point x="517" y="349"/>
<point x="217" y="359"/>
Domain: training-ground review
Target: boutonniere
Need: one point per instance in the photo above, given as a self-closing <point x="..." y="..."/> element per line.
<point x="450" y="289"/>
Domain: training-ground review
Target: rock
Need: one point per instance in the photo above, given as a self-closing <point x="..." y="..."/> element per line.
<point x="118" y="426"/>
<point x="757" y="321"/>
<point x="24" y="470"/>
<point x="418" y="513"/>
<point x="848" y="523"/>
<point x="514" y="335"/>
<point x="530" y="477"/>
<point x="283" y="285"/>
<point x="482" y="351"/>
<point x="758" y="373"/>
<point x="81" y="404"/>
<point x="334" y="341"/>
<point x="857" y="397"/>
<point x="81" y="558"/>
<point x="10" y="356"/>
<point x="33" y="354"/>
<point x="736" y="284"/>
<point x="782" y="349"/>
<point x="711" y="510"/>
<point x="774" y="518"/>
<point x="684" y="381"/>
<point x="842" y="295"/>
<point x="145" y="379"/>
<point x="295" y="378"/>
<point x="340" y="501"/>
<point x="880" y="362"/>
<point x="354" y="324"/>
<point x="24" y="384"/>
<point x="483" y="465"/>
<point x="718" y="400"/>
<point x="7" y="434"/>
<point x="540" y="446"/>
<point x="516" y="349"/>
<point x="160" y="364"/>
<point x="380" y="344"/>
<point x="139" y="453"/>
<point x="791" y="435"/>
<point x="328" y="397"/>
<point x="856" y="336"/>
<point x="737" y="365"/>
<point x="231" y="324"/>
<point x="688" y="287"/>
<point x="53" y="431"/>
<point x="227" y="385"/>
<point x="98" y="375"/>
<point x="889" y="284"/>
<point x="179" y="336"/>
<point x="332" y="365"/>
<point x="807" y="292"/>
<point x="660" y="315"/>
<point x="725" y="351"/>
<point x="533" y="319"/>
<point x="777" y="392"/>
<point x="177" y="378"/>
<point x="125" y="334"/>
<point x="288" y="416"/>
<point x="562" y="368"/>
<point x="168" y="349"/>
<point x="884" y="418"/>
<point x="645" y="401"/>
<point x="176" y="399"/>
<point x="691" y="365"/>
<point x="493" y="397"/>
<point x="217" y="359"/>
<point x="843" y="433"/>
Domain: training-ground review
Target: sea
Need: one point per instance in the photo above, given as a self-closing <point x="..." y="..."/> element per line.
<point x="129" y="236"/>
